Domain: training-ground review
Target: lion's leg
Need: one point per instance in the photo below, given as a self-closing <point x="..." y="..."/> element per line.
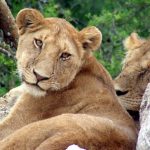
<point x="25" y="111"/>
<point x="57" y="133"/>
<point x="84" y="140"/>
<point x="65" y="139"/>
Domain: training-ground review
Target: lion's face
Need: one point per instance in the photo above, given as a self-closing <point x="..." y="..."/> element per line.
<point x="132" y="81"/>
<point x="50" y="51"/>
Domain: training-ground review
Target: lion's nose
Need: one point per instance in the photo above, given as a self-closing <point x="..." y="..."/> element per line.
<point x="39" y="77"/>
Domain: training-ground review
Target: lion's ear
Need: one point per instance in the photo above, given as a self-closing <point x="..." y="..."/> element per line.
<point x="133" y="41"/>
<point x="91" y="38"/>
<point x="27" y="19"/>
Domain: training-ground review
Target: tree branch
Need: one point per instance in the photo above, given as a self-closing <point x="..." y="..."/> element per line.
<point x="7" y="52"/>
<point x="7" y="24"/>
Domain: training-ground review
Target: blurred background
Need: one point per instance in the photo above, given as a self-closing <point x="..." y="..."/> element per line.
<point x="115" y="18"/>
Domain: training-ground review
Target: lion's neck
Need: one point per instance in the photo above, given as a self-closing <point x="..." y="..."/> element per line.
<point x="93" y="67"/>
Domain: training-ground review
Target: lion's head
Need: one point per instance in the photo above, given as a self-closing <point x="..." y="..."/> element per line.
<point x="132" y="81"/>
<point x="51" y="51"/>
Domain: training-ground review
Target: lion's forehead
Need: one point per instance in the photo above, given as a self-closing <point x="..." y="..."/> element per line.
<point x="135" y="68"/>
<point x="59" y="27"/>
<point x="138" y="56"/>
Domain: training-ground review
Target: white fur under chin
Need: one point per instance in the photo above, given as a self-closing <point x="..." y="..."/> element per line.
<point x="33" y="90"/>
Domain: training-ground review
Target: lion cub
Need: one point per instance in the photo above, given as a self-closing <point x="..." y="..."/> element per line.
<point x="68" y="96"/>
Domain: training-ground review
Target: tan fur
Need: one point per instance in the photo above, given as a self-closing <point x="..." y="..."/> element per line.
<point x="75" y="104"/>
<point x="135" y="74"/>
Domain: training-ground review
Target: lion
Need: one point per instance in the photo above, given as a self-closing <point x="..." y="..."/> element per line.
<point x="131" y="83"/>
<point x="68" y="96"/>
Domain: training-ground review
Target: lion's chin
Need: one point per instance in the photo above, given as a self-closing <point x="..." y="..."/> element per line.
<point x="33" y="90"/>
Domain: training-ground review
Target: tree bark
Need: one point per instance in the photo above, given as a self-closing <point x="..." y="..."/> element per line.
<point x="7" y="24"/>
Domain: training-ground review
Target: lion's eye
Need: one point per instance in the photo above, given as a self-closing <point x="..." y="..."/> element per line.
<point x="65" y="56"/>
<point x="38" y="43"/>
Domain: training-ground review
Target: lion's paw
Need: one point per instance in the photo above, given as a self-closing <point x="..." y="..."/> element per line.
<point x="74" y="147"/>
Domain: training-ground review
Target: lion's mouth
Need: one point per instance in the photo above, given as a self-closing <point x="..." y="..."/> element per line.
<point x="34" y="85"/>
<point x="33" y="89"/>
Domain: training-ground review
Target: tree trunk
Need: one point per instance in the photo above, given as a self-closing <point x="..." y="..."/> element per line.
<point x="7" y="24"/>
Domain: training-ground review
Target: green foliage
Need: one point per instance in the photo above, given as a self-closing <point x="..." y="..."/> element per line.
<point x="8" y="74"/>
<point x="50" y="9"/>
<point x="116" y="19"/>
